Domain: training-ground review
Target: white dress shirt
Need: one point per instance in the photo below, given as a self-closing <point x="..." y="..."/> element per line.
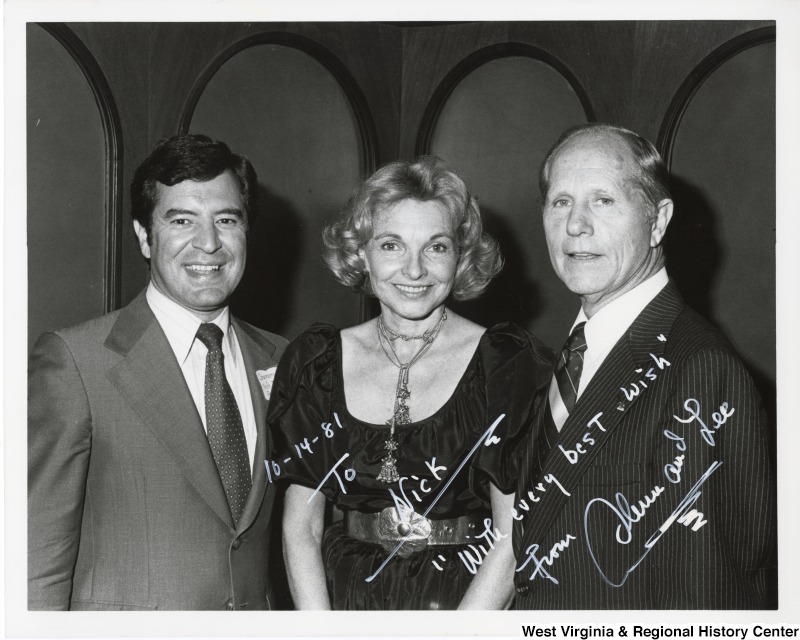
<point x="180" y="326"/>
<point x="603" y="330"/>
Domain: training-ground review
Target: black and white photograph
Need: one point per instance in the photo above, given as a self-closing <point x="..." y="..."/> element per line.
<point x="400" y="309"/>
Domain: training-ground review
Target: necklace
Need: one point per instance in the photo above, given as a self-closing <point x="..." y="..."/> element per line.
<point x="401" y="416"/>
<point x="394" y="336"/>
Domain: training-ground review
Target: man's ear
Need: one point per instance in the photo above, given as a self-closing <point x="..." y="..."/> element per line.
<point x="659" y="226"/>
<point x="141" y="233"/>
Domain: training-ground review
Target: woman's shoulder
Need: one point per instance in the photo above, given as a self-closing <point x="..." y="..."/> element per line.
<point x="319" y="335"/>
<point x="304" y="363"/>
<point x="317" y="342"/>
<point x="509" y="340"/>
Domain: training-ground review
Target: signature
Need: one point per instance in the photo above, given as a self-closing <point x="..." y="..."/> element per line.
<point x="628" y="515"/>
<point x="719" y="417"/>
<point x="487" y="439"/>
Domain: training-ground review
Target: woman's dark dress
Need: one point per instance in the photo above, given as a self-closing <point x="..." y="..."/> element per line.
<point x="307" y="406"/>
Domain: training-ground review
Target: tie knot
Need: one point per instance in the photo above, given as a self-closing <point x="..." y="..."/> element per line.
<point x="576" y="340"/>
<point x="211" y="336"/>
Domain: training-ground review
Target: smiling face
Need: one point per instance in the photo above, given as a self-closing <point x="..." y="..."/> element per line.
<point x="411" y="260"/>
<point x="198" y="243"/>
<point x="600" y="239"/>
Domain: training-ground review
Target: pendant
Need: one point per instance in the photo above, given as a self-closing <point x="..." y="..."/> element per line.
<point x="388" y="471"/>
<point x="401" y="414"/>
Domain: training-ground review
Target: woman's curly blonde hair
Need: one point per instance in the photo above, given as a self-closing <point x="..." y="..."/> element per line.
<point x="427" y="179"/>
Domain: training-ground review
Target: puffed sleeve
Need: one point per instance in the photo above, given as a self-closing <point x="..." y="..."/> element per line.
<point x="300" y="417"/>
<point x="515" y="367"/>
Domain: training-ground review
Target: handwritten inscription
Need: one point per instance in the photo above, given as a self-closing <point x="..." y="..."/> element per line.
<point x="628" y="514"/>
<point x="683" y="514"/>
<point x="719" y="418"/>
<point x="473" y="555"/>
<point x="541" y="487"/>
<point x="487" y="439"/>
<point x="349" y="474"/>
<point x="633" y="389"/>
<point x="274" y="468"/>
<point x="587" y="441"/>
<point x="547" y="560"/>
<point x="633" y="524"/>
<point x="403" y="502"/>
<point x="674" y="469"/>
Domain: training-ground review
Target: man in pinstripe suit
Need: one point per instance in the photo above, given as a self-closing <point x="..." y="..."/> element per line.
<point x="648" y="483"/>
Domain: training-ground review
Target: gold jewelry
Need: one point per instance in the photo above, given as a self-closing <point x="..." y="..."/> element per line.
<point x="401" y="415"/>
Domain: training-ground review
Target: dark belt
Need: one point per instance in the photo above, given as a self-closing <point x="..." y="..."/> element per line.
<point x="387" y="529"/>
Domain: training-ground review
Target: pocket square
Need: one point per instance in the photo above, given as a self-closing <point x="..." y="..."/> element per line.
<point x="265" y="378"/>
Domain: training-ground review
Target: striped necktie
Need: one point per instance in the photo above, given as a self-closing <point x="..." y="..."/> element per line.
<point x="569" y="366"/>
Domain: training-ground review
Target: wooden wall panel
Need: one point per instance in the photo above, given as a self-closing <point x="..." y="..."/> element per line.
<point x="153" y="67"/>
<point x="66" y="190"/>
<point x="495" y="130"/>
<point x="665" y="54"/>
<point x="289" y="116"/>
<point x="120" y="51"/>
<point x="630" y="71"/>
<point x="722" y="245"/>
<point x="429" y="54"/>
<point x="370" y="52"/>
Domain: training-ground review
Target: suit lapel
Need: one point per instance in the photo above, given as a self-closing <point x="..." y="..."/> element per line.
<point x="638" y="350"/>
<point x="257" y="354"/>
<point x="152" y="383"/>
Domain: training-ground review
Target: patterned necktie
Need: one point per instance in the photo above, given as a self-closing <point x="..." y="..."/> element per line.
<point x="224" y="424"/>
<point x="569" y="366"/>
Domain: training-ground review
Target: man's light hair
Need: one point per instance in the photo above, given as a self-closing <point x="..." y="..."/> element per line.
<point x="650" y="175"/>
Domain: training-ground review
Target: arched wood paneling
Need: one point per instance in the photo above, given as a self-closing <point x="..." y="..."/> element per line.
<point x="355" y="97"/>
<point x="112" y="130"/>
<point x="479" y="58"/>
<point x="303" y="123"/>
<point x="493" y="127"/>
<point x="74" y="147"/>
<point x="719" y="141"/>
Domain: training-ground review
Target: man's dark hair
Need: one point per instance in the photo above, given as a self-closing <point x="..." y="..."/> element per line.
<point x="188" y="156"/>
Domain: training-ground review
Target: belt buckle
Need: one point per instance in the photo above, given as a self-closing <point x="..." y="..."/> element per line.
<point x="410" y="527"/>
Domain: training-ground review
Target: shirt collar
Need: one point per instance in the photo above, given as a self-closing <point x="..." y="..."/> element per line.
<point x="180" y="325"/>
<point x="607" y="326"/>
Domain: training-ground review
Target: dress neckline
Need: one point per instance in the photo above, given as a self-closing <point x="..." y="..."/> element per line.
<point x="416" y="423"/>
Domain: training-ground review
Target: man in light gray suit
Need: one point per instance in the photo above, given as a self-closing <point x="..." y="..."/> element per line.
<point x="146" y="435"/>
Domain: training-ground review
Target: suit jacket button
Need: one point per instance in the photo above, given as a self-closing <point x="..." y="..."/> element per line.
<point x="236" y="544"/>
<point x="230" y="606"/>
<point x="523" y="589"/>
